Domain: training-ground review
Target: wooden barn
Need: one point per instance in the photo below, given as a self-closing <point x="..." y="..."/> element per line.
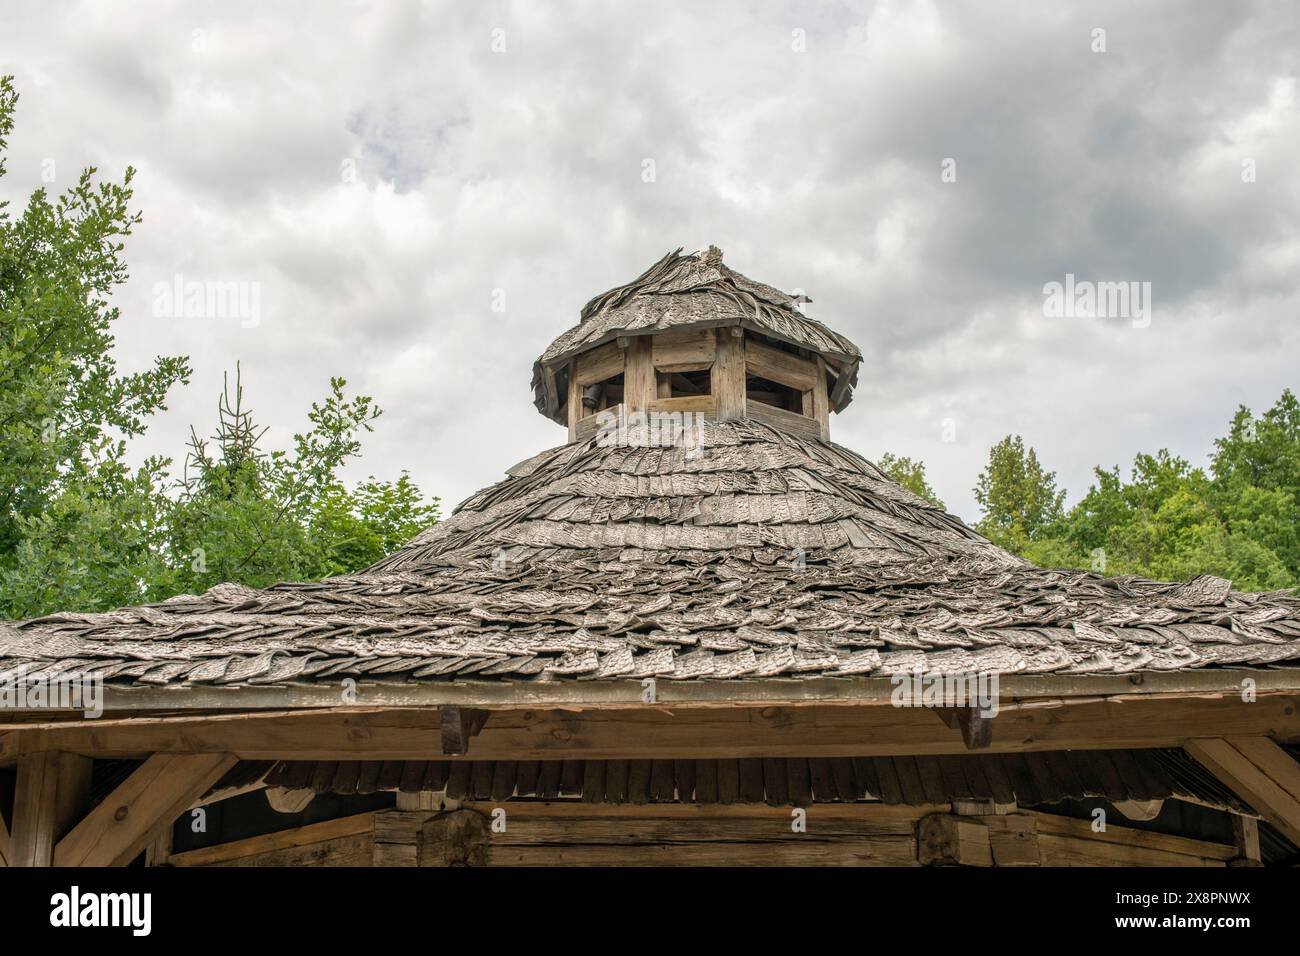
<point x="688" y="636"/>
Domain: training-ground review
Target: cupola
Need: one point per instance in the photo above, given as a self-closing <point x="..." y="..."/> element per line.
<point x="692" y="335"/>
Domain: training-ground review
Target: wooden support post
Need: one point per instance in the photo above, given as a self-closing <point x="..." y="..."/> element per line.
<point x="1258" y="771"/>
<point x="727" y="381"/>
<point x="51" y="792"/>
<point x="1245" y="833"/>
<point x="131" y="817"/>
<point x="573" y="403"/>
<point x="639" y="388"/>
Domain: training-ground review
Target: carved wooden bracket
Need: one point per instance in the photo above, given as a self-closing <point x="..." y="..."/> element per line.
<point x="976" y="728"/>
<point x="459" y="724"/>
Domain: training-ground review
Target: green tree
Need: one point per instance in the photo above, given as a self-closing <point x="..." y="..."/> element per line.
<point x="1018" y="499"/>
<point x="75" y="520"/>
<point x="80" y="529"/>
<point x="910" y="474"/>
<point x="257" y="517"/>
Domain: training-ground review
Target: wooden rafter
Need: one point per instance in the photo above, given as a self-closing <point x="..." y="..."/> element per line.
<point x="1258" y="771"/>
<point x="132" y="816"/>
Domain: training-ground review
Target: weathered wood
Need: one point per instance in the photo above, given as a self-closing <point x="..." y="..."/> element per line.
<point x="947" y="840"/>
<point x="573" y="403"/>
<point x="1140" y="809"/>
<point x="1029" y="689"/>
<point x="598" y="365"/>
<point x="458" y="725"/>
<point x="1118" y="840"/>
<point x="130" y="817"/>
<point x="821" y="412"/>
<point x="705" y="405"/>
<point x="550" y="390"/>
<point x="1013" y="839"/>
<point x="727" y="379"/>
<point x="289" y="801"/>
<point x="329" y="837"/>
<point x="676" y="733"/>
<point x="639" y="375"/>
<point x="1245" y="833"/>
<point x="787" y="421"/>
<point x="684" y="350"/>
<point x="49" y="795"/>
<point x="1258" y="771"/>
<point x="458" y="838"/>
<point x="784" y="368"/>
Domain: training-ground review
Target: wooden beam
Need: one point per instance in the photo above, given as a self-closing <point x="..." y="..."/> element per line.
<point x="131" y="817"/>
<point x="4" y="842"/>
<point x="51" y="791"/>
<point x="684" y="350"/>
<point x="598" y="365"/>
<point x="1245" y="837"/>
<point x="785" y="368"/>
<point x="639" y="374"/>
<point x="665" y="732"/>
<point x="727" y="380"/>
<point x="573" y="403"/>
<point x="1016" y="689"/>
<point x="1260" y="772"/>
<point x="361" y="824"/>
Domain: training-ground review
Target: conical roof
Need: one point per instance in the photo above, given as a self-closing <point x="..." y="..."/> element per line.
<point x="754" y="554"/>
<point x="736" y="552"/>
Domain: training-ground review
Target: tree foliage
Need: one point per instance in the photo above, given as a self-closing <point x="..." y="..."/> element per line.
<point x="80" y="527"/>
<point x="910" y="474"/>
<point x="1165" y="519"/>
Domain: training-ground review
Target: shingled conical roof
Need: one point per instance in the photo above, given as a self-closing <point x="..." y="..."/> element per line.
<point x="748" y="552"/>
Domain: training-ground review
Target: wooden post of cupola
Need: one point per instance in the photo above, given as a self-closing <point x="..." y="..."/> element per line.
<point x="638" y="373"/>
<point x="727" y="378"/>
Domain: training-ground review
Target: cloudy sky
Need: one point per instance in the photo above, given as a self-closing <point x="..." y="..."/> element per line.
<point x="376" y="172"/>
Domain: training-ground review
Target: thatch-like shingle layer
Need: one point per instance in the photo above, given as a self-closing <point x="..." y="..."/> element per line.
<point x="757" y="555"/>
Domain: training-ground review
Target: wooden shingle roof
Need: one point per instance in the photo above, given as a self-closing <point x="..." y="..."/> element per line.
<point x="757" y="555"/>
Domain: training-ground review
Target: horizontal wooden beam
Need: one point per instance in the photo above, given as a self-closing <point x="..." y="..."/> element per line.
<point x="793" y="371"/>
<point x="775" y="692"/>
<point x="666" y="732"/>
